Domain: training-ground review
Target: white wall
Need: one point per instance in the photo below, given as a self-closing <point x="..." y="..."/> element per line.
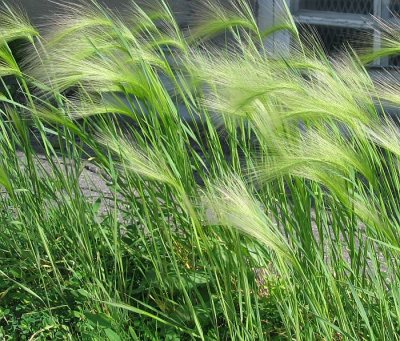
<point x="269" y="14"/>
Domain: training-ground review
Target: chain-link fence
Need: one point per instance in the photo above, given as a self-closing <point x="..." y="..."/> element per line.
<point x="343" y="6"/>
<point x="394" y="7"/>
<point x="335" y="38"/>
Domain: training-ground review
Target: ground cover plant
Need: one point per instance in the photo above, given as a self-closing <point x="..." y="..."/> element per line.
<point x="249" y="195"/>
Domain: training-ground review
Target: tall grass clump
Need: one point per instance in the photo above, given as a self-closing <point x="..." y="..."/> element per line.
<point x="159" y="182"/>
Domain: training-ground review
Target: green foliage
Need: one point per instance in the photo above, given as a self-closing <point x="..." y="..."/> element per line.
<point x="239" y="195"/>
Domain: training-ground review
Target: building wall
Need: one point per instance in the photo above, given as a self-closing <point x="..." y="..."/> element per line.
<point x="39" y="9"/>
<point x="185" y="9"/>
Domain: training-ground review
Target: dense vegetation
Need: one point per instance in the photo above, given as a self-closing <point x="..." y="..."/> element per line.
<point x="249" y="195"/>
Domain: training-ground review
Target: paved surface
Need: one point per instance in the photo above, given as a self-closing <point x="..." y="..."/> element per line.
<point x="92" y="182"/>
<point x="94" y="185"/>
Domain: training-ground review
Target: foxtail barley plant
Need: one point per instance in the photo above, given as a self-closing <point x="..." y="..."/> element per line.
<point x="159" y="182"/>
